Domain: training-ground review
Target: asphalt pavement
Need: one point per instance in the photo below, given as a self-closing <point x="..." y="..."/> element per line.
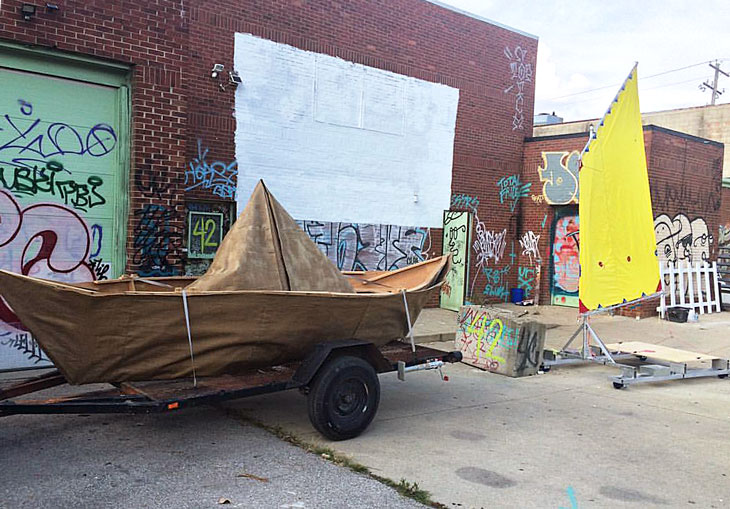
<point x="196" y="458"/>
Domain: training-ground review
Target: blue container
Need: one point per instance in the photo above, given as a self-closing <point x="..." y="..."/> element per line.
<point x="517" y="295"/>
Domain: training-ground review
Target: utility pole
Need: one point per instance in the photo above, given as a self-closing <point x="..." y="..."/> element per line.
<point x="715" y="92"/>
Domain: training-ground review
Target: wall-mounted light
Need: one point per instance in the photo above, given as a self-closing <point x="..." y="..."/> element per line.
<point x="28" y="11"/>
<point x="234" y="78"/>
<point x="52" y="8"/>
<point x="217" y="69"/>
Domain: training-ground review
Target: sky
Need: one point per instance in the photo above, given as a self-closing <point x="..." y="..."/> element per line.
<point x="589" y="45"/>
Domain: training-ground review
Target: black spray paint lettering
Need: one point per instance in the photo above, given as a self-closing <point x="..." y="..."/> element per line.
<point x="354" y="246"/>
<point x="528" y="353"/>
<point x="156" y="238"/>
<point x="35" y="181"/>
<point x="26" y="345"/>
<point x="99" y="268"/>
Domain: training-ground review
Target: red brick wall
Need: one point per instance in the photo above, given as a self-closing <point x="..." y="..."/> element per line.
<point x="685" y="175"/>
<point x="171" y="47"/>
<point x="151" y="37"/>
<point x="409" y="37"/>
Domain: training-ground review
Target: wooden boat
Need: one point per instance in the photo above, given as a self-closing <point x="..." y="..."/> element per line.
<point x="269" y="296"/>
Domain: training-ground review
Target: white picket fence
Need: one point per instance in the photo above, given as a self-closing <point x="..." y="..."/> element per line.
<point x="693" y="287"/>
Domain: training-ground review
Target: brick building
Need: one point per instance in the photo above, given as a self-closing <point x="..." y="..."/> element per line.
<point x="685" y="175"/>
<point x="124" y="147"/>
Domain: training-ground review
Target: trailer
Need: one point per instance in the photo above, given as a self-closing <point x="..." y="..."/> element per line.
<point x="340" y="380"/>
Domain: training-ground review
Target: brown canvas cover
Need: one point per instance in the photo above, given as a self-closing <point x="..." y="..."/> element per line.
<point x="266" y="250"/>
<point x="127" y="336"/>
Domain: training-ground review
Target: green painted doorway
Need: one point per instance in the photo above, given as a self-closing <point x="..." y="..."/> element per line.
<point x="64" y="168"/>
<point x="456" y="241"/>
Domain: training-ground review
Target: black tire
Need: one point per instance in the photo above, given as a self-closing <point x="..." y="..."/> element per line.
<point x="343" y="397"/>
<point x="618" y="385"/>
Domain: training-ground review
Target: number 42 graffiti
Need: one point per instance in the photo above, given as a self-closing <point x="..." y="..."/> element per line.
<point x="205" y="228"/>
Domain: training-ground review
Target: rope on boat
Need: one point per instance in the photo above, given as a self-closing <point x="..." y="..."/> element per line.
<point x="190" y="338"/>
<point x="408" y="317"/>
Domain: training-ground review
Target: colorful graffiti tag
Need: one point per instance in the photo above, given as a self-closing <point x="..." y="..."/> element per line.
<point x="57" y="200"/>
<point x="42" y="240"/>
<point x="559" y="175"/>
<point x="511" y="189"/>
<point x="680" y="240"/>
<point x="566" y="267"/>
<point x="217" y="176"/>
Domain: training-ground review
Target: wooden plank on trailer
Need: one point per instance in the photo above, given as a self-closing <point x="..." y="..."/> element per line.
<point x="662" y="353"/>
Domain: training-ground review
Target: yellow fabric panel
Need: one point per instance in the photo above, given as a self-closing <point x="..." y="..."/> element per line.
<point x="617" y="246"/>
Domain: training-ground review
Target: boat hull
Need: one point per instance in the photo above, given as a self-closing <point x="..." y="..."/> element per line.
<point x="93" y="337"/>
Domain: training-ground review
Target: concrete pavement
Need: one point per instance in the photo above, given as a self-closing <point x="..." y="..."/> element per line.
<point x="562" y="439"/>
<point x="553" y="440"/>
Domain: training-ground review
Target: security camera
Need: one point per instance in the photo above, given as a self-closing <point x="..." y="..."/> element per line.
<point x="217" y="69"/>
<point x="235" y="78"/>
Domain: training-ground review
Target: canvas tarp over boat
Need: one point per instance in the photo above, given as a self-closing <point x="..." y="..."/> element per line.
<point x="266" y="250"/>
<point x="618" y="260"/>
<point x="274" y="312"/>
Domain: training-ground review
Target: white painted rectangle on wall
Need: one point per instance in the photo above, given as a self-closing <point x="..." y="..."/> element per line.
<point x="339" y="141"/>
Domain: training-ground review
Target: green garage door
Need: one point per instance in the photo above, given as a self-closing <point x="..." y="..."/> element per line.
<point x="63" y="173"/>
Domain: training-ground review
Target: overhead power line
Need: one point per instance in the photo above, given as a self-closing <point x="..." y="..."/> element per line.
<point x="619" y="84"/>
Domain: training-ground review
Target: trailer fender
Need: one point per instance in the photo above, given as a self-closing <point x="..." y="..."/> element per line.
<point x="324" y="351"/>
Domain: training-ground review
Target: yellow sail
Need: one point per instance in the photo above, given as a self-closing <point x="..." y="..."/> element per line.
<point x="618" y="261"/>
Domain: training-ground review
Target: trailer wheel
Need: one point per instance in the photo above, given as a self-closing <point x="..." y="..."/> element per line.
<point x="343" y="397"/>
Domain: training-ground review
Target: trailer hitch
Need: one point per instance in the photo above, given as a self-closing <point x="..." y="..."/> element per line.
<point x="435" y="364"/>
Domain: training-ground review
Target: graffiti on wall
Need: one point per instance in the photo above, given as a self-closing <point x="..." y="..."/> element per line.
<point x="217" y="176"/>
<point x="530" y="246"/>
<point x="49" y="183"/>
<point x="353" y="246"/>
<point x="31" y="140"/>
<point x="680" y="240"/>
<point x="526" y="279"/>
<point x="521" y="74"/>
<point x="457" y="227"/>
<point x="496" y="285"/>
<point x="156" y="238"/>
<point x="42" y="240"/>
<point x="559" y="175"/>
<point x="687" y="196"/>
<point x="566" y="265"/>
<point x="488" y="245"/>
<point x="511" y="189"/>
<point x="463" y="201"/>
<point x="198" y="266"/>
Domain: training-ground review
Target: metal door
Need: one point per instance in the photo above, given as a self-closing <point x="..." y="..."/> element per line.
<point x="63" y="174"/>
<point x="565" y="263"/>
<point x="457" y="238"/>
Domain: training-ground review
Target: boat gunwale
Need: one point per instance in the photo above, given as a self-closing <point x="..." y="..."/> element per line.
<point x="177" y="293"/>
